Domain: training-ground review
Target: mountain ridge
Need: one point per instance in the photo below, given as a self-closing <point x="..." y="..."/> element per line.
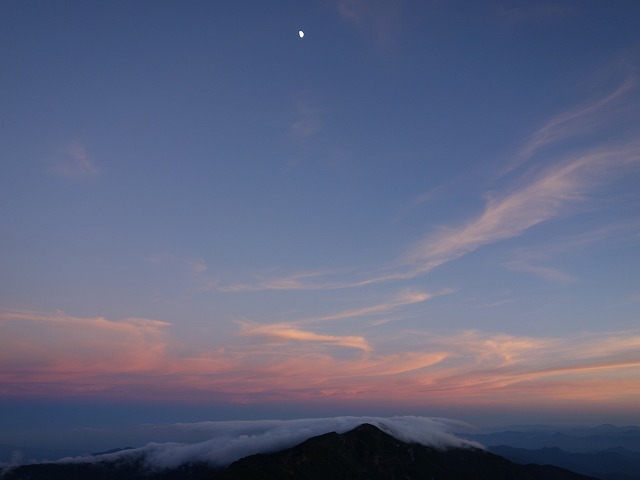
<point x="610" y="464"/>
<point x="365" y="452"/>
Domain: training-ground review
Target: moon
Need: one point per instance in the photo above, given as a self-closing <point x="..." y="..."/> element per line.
<point x="301" y="33"/>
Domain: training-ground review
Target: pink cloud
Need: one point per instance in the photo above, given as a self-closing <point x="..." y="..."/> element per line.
<point x="290" y="333"/>
<point x="378" y="19"/>
<point x="62" y="355"/>
<point x="74" y="163"/>
<point x="547" y="195"/>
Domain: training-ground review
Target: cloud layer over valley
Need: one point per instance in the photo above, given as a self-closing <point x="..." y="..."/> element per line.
<point x="220" y="443"/>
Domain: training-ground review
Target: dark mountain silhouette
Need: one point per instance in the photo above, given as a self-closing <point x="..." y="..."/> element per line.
<point x="126" y="469"/>
<point x="611" y="464"/>
<point x="570" y="439"/>
<point x="368" y="453"/>
<point x="363" y="453"/>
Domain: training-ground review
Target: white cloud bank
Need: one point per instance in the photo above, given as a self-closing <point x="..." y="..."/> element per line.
<point x="231" y="440"/>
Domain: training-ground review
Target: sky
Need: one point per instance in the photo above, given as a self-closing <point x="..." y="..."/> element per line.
<point x="417" y="208"/>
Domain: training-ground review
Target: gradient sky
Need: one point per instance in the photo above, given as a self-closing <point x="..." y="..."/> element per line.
<point x="421" y="207"/>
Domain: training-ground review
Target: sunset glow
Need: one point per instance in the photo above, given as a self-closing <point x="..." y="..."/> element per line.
<point x="426" y="209"/>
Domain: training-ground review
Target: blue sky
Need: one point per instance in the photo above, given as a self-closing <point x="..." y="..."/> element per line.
<point x="417" y="207"/>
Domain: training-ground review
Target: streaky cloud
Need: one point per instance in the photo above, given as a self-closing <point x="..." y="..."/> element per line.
<point x="290" y="333"/>
<point x="307" y="122"/>
<point x="546" y="272"/>
<point x="529" y="259"/>
<point x="548" y="195"/>
<point x="407" y="297"/>
<point x="75" y="163"/>
<point x="191" y="266"/>
<point x="533" y="13"/>
<point x="574" y="122"/>
<point x="317" y="280"/>
<point x="378" y="19"/>
<point x="296" y="281"/>
<point x="61" y="356"/>
<point x="555" y="186"/>
<point x="51" y="348"/>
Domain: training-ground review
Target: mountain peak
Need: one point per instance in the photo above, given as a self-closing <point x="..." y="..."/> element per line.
<point x="366" y="452"/>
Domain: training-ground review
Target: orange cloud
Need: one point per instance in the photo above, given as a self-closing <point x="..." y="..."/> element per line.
<point x="287" y="332"/>
<point x="58" y="354"/>
<point x="61" y="339"/>
<point x="404" y="298"/>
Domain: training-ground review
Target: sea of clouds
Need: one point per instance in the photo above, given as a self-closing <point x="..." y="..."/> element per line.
<point x="221" y="443"/>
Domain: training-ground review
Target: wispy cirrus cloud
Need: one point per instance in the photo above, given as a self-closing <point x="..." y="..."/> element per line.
<point x="192" y="266"/>
<point x="536" y="259"/>
<point x="535" y="12"/>
<point x="74" y="163"/>
<point x="307" y="119"/>
<point x="321" y="279"/>
<point x="487" y="366"/>
<point x="575" y="122"/>
<point x="456" y="368"/>
<point x="407" y="297"/>
<point x="308" y="280"/>
<point x="289" y="333"/>
<point x="557" y="185"/>
<point x="544" y="271"/>
<point x="378" y="19"/>
<point x="58" y="354"/>
<point x="545" y="196"/>
<point x="47" y="348"/>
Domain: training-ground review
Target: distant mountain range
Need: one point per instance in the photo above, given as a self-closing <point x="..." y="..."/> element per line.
<point x="571" y="439"/>
<point x="606" y="452"/>
<point x="365" y="452"/>
<point x="612" y="464"/>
